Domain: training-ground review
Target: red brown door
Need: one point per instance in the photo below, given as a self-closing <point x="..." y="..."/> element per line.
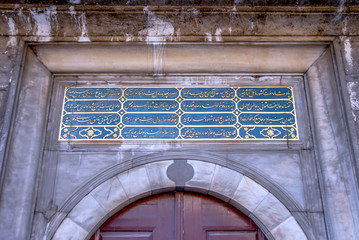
<point x="179" y="216"/>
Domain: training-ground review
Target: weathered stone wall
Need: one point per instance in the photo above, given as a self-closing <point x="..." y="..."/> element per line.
<point x="350" y="52"/>
<point x="333" y="23"/>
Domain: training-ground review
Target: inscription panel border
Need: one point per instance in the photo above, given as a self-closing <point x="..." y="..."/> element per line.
<point x="231" y="85"/>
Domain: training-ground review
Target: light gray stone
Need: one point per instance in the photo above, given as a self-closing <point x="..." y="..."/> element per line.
<point x="7" y="53"/>
<point x="203" y="175"/>
<point x="24" y="152"/>
<point x="249" y="194"/>
<point x="271" y="212"/>
<point x="289" y="229"/>
<point x="135" y="181"/>
<point x="157" y="175"/>
<point x="350" y="53"/>
<point x="70" y="230"/>
<point x="282" y="167"/>
<point x="39" y="228"/>
<point x="353" y="88"/>
<point x="87" y="213"/>
<point x="311" y="189"/>
<point x="225" y="181"/>
<point x="87" y="165"/>
<point x="355" y="115"/>
<point x="316" y="222"/>
<point x="110" y="194"/>
<point x="209" y="58"/>
<point x="341" y="194"/>
<point x="46" y="190"/>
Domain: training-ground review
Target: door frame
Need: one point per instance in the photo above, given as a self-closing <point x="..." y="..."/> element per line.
<point x="30" y="93"/>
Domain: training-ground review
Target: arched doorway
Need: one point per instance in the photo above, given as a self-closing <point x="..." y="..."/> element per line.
<point x="179" y="216"/>
<point x="85" y="213"/>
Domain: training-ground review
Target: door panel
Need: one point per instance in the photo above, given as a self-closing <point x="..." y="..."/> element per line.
<point x="154" y="214"/>
<point x="126" y="235"/>
<point x="179" y="216"/>
<point x="232" y="235"/>
<point x="203" y="214"/>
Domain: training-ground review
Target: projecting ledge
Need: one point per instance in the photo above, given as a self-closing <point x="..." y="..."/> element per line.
<point x="172" y="58"/>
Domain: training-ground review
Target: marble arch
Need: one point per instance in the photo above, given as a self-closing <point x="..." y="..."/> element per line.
<point x="275" y="220"/>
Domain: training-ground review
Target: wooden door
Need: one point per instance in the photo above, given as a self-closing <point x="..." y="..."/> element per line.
<point x="179" y="216"/>
<point x="210" y="219"/>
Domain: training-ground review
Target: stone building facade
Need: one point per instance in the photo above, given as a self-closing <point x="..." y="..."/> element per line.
<point x="296" y="189"/>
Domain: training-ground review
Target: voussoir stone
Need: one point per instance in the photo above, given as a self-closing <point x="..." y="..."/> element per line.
<point x="110" y="194"/>
<point x="271" y="212"/>
<point x="249" y="194"/>
<point x="289" y="229"/>
<point x="70" y="230"/>
<point x="157" y="175"/>
<point x="135" y="181"/>
<point x="87" y="213"/>
<point x="203" y="175"/>
<point x="225" y="181"/>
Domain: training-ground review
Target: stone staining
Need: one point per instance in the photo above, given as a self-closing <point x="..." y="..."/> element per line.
<point x="175" y="113"/>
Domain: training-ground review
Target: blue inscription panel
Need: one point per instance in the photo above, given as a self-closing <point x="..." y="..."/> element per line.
<point x="265" y="106"/>
<point x="91" y="119"/>
<point x="209" y="132"/>
<point x="150" y="119"/>
<point x="209" y="119"/>
<point x="150" y="106"/>
<point x="151" y="93"/>
<point x="178" y="113"/>
<point x="208" y="106"/>
<point x="208" y="93"/>
<point x="150" y="132"/>
<point x="94" y="93"/>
